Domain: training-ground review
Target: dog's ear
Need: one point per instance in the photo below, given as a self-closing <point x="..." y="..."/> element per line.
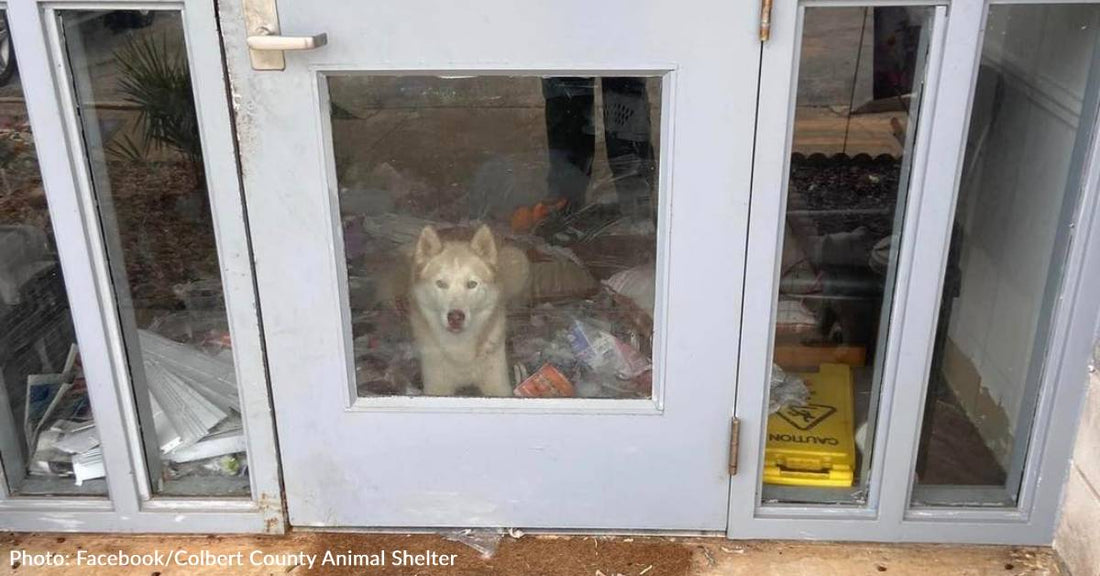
<point x="427" y="246"/>
<point x="484" y="245"/>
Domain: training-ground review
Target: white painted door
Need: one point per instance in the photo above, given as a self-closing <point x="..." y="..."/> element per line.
<point x="571" y="366"/>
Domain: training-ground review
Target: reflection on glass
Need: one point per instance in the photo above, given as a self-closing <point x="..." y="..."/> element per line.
<point x="499" y="233"/>
<point x="860" y="77"/>
<point x="1033" y="112"/>
<point x="48" y="440"/>
<point x="133" y="90"/>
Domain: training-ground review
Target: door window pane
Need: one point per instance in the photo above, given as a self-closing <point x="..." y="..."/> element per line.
<point x="500" y="233"/>
<point x="137" y="111"/>
<point x="1033" y="113"/>
<point x="860" y="77"/>
<point x="48" y="439"/>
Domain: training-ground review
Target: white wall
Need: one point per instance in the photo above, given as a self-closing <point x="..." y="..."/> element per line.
<point x="1078" y="540"/>
<point x="1012" y="195"/>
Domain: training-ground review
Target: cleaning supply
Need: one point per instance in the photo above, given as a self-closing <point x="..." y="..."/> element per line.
<point x="814" y="444"/>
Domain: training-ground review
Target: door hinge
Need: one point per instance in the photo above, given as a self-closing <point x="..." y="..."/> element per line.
<point x="765" y="20"/>
<point x="735" y="437"/>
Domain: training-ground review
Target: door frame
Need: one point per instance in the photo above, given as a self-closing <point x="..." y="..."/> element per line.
<point x="940" y="144"/>
<point x="887" y="517"/>
<point x="131" y="505"/>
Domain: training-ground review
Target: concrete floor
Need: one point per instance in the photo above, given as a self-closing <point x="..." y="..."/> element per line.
<point x="535" y="555"/>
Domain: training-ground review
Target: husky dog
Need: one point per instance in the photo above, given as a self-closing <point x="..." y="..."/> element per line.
<point x="459" y="291"/>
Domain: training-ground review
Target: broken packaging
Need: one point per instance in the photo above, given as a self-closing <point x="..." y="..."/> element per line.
<point x="88" y="466"/>
<point x="548" y="382"/>
<point x="604" y="353"/>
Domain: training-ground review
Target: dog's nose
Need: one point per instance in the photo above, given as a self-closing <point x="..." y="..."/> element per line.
<point x="455" y="318"/>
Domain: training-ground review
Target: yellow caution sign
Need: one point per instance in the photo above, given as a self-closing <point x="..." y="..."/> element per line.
<point x="814" y="445"/>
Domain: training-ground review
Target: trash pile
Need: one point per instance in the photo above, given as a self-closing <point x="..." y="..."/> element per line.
<point x="57" y="424"/>
<point x="594" y="348"/>
<point x="193" y="397"/>
<point x="196" y="409"/>
<point x="570" y="335"/>
<point x="599" y="347"/>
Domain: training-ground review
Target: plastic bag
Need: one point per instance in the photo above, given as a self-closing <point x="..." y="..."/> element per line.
<point x="605" y="354"/>
<point x="786" y="390"/>
<point x="484" y="541"/>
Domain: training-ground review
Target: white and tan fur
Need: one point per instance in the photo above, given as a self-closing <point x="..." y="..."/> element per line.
<point x="458" y="293"/>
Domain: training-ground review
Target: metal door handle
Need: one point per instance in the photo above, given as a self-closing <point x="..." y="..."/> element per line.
<point x="282" y="43"/>
<point x="265" y="45"/>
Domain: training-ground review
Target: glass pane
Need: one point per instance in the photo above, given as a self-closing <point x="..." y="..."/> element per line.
<point x="860" y="76"/>
<point x="48" y="439"/>
<point x="133" y="90"/>
<point x="499" y="233"/>
<point x="1033" y="113"/>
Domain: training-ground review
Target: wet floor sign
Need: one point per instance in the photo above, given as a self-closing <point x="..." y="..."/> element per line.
<point x="813" y="445"/>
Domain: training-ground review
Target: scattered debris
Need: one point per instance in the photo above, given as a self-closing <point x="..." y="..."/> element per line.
<point x="88" y="465"/>
<point x="485" y="541"/>
<point x="546" y="383"/>
<point x="58" y="427"/>
<point x="710" y="557"/>
<point x="580" y="326"/>
<point x="786" y="390"/>
<point x="193" y="395"/>
<point x="639" y="284"/>
<point x="196" y="409"/>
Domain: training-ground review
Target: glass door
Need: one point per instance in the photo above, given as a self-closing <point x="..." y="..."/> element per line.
<point x="500" y="254"/>
<point x="124" y="135"/>
<point x="1032" y="120"/>
<point x="921" y="169"/>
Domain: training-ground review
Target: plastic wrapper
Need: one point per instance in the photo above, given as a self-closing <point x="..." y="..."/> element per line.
<point x="535" y="351"/>
<point x="786" y="390"/>
<point x="595" y="344"/>
<point x="548" y="382"/>
<point x="226" y="465"/>
<point x="485" y="542"/>
<point x="605" y="354"/>
<point x="57" y="419"/>
<point x="385" y="360"/>
<point x="639" y="284"/>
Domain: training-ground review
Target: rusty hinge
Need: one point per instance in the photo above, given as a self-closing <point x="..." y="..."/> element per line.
<point x="765" y="20"/>
<point x="735" y="437"/>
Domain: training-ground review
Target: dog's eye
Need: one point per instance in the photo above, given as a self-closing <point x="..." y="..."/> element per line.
<point x="441" y="284"/>
<point x="471" y="284"/>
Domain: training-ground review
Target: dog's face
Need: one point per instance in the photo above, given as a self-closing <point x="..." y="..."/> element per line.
<point x="455" y="283"/>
